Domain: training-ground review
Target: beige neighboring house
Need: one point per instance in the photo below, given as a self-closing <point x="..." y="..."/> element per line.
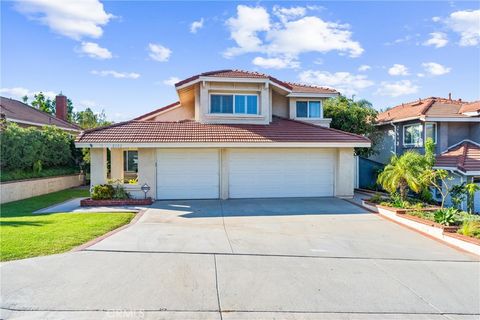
<point x="232" y="134"/>
<point x="27" y="116"/>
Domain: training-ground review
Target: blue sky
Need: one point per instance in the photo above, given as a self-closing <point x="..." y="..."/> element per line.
<point x="123" y="56"/>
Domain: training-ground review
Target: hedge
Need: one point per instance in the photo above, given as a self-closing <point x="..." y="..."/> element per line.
<point x="29" y="148"/>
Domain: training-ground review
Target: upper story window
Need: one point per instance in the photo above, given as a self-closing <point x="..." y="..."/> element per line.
<point x="413" y="135"/>
<point x="431" y="131"/>
<point x="309" y="109"/>
<point x="234" y="103"/>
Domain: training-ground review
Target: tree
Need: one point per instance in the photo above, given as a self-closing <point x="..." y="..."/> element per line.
<point x="403" y="173"/>
<point x="25" y="99"/>
<point x="353" y="116"/>
<point x="438" y="180"/>
<point x="88" y="119"/>
<point x="471" y="188"/>
<point x="43" y="103"/>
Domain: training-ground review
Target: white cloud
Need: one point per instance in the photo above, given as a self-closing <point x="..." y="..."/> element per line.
<point x="74" y="19"/>
<point x="435" y="69"/>
<point x="294" y="33"/>
<point x="93" y="50"/>
<point x="398" y="88"/>
<point x="436" y="19"/>
<point x="344" y="82"/>
<point x="467" y="25"/>
<point x="245" y="27"/>
<point x="196" y="25"/>
<point x="398" y="70"/>
<point x="275" y="63"/>
<point x="364" y="67"/>
<point x="20" y="92"/>
<point x="437" y="39"/>
<point x="116" y="74"/>
<point x="286" y="14"/>
<point x="158" y="52"/>
<point x="171" y="81"/>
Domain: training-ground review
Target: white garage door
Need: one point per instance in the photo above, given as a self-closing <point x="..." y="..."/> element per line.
<point x="281" y="173"/>
<point x="187" y="174"/>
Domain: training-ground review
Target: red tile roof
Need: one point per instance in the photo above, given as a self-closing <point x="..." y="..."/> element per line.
<point x="471" y="107"/>
<point x="16" y="110"/>
<point x="280" y="130"/>
<point x="164" y="108"/>
<point x="229" y="73"/>
<point x="432" y="106"/>
<point x="464" y="156"/>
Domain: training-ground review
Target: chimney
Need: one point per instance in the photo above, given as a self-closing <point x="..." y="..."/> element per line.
<point x="61" y="107"/>
<point x="449" y="96"/>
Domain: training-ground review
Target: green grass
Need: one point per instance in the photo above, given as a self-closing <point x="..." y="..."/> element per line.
<point x="24" y="234"/>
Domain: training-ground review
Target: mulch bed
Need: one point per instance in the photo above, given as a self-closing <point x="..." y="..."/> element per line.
<point x="115" y="202"/>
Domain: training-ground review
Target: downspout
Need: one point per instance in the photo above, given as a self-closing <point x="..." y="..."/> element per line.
<point x="395" y="137"/>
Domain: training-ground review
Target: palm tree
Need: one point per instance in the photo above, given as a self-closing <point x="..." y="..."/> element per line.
<point x="403" y="173"/>
<point x="471" y="188"/>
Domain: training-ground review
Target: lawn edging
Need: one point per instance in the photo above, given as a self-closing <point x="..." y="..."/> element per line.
<point x="89" y="202"/>
<point x="432" y="229"/>
<point x="90" y="243"/>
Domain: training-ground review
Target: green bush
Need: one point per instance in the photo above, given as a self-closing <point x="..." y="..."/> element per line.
<point x="22" y="148"/>
<point x="470" y="228"/>
<point x="102" y="192"/>
<point x="446" y="216"/>
<point x="21" y="174"/>
<point x="120" y="192"/>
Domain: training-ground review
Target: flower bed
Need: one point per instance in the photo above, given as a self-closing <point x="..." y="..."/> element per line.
<point x="446" y="233"/>
<point x="115" y="202"/>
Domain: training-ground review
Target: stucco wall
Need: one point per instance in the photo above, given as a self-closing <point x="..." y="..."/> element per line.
<point x="279" y="105"/>
<point x="98" y="166"/>
<point x="18" y="190"/>
<point x="177" y="114"/>
<point x="147" y="173"/>
<point x="344" y="173"/>
<point x="475" y="132"/>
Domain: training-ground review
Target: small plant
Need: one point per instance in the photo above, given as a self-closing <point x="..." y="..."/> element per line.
<point x="446" y="216"/>
<point x="37" y="167"/>
<point x="133" y="181"/>
<point x="470" y="228"/>
<point x="376" y="198"/>
<point x="398" y="202"/>
<point x="102" y="192"/>
<point x="458" y="194"/>
<point x="120" y="193"/>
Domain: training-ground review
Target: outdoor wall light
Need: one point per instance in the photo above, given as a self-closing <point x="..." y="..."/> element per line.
<point x="145" y="188"/>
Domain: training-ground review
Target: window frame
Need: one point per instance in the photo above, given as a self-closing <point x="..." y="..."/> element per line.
<point x="234" y="107"/>
<point x="308" y="109"/>
<point x="422" y="134"/>
<point x="125" y="161"/>
<point x="435" y="132"/>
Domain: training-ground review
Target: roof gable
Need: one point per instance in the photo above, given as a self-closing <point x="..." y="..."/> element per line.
<point x="17" y="110"/>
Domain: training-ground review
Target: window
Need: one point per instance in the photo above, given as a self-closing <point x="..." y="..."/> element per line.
<point x="130" y="160"/>
<point x="412" y="135"/>
<point x="431" y="131"/>
<point x="309" y="109"/>
<point x="234" y="103"/>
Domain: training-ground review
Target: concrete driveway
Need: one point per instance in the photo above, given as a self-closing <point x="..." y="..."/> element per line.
<point x="318" y="258"/>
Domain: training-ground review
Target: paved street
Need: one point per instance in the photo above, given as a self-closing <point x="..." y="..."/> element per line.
<point x="250" y="259"/>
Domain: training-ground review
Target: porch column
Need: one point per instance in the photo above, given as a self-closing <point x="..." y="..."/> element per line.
<point x="116" y="164"/>
<point x="98" y="166"/>
<point x="344" y="173"/>
<point x="147" y="170"/>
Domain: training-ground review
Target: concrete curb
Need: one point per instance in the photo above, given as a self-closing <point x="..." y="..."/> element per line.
<point x="110" y="233"/>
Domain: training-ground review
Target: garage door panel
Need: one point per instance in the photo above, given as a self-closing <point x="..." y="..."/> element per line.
<point x="187" y="174"/>
<point x="280" y="173"/>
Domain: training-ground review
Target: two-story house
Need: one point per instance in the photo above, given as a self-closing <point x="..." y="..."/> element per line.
<point x="454" y="126"/>
<point x="232" y="134"/>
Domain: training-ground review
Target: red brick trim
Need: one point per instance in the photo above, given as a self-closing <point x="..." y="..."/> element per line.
<point x="115" y="202"/>
<point x="462" y="237"/>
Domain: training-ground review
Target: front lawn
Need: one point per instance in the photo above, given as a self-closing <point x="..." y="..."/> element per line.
<point x="24" y="234"/>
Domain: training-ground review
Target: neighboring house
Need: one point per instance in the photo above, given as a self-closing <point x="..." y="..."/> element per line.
<point x="454" y="126"/>
<point x="27" y="116"/>
<point x="232" y="134"/>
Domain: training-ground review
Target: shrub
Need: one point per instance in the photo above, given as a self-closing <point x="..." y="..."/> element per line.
<point x="102" y="192"/>
<point x="446" y="216"/>
<point x="21" y="147"/>
<point x="120" y="192"/>
<point x="470" y="228"/>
